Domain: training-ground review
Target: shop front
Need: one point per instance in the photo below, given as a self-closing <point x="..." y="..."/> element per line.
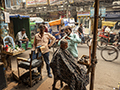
<point x="84" y="18"/>
<point x="112" y="16"/>
<point x="102" y="13"/>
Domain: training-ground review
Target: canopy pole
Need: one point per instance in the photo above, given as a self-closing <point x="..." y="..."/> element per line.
<point x="94" y="43"/>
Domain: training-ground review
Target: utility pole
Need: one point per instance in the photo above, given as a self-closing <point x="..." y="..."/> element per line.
<point x="94" y="43"/>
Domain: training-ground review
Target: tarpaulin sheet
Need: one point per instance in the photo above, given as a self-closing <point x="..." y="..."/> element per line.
<point x="65" y="66"/>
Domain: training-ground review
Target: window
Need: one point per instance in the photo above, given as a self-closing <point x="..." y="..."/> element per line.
<point x="81" y="20"/>
<point x="87" y="23"/>
<point x="7" y="3"/>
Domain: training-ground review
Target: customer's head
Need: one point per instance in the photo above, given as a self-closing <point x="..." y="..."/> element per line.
<point x="64" y="44"/>
<point x="80" y="24"/>
<point x="41" y="28"/>
<point x="68" y="30"/>
<point x="23" y="30"/>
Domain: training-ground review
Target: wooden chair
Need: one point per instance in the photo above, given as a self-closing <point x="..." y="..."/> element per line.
<point x="34" y="61"/>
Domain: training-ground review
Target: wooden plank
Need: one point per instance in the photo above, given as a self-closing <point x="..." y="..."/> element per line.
<point x="15" y="73"/>
<point x="13" y="53"/>
<point x="21" y="58"/>
<point x="16" y="53"/>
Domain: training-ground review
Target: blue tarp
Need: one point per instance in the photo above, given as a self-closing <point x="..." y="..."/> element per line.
<point x="20" y="16"/>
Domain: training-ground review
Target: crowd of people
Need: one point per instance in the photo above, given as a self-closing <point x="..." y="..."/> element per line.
<point x="64" y="59"/>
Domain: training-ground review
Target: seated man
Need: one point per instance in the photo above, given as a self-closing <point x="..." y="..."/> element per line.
<point x="21" y="38"/>
<point x="66" y="68"/>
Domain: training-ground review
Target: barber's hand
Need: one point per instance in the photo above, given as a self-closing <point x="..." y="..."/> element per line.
<point x="67" y="37"/>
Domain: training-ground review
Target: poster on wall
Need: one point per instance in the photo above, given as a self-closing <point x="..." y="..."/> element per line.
<point x="56" y="2"/>
<point x="34" y="3"/>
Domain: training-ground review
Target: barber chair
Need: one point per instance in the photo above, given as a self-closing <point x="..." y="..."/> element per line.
<point x="34" y="61"/>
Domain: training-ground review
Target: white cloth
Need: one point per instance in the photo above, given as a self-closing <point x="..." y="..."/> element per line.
<point x="107" y="29"/>
<point x="7" y="18"/>
<point x="54" y="28"/>
<point x="20" y="36"/>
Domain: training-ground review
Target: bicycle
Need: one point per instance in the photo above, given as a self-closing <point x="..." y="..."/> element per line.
<point x="105" y="40"/>
<point x="110" y="53"/>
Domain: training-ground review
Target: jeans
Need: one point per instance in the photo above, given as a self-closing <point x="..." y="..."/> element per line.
<point x="46" y="59"/>
<point x="82" y="38"/>
<point x="20" y="43"/>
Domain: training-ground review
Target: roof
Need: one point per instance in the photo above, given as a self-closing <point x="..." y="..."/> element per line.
<point x="17" y="15"/>
<point x="36" y="19"/>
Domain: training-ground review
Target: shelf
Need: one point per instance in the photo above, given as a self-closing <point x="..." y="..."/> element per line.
<point x="13" y="53"/>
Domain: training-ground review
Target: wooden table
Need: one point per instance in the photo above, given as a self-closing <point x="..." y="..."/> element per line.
<point x="8" y="55"/>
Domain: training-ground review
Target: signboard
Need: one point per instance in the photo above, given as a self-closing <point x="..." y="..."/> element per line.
<point x="113" y="14"/>
<point x="83" y="14"/>
<point x="56" y="2"/>
<point x="34" y="3"/>
<point x="71" y="1"/>
<point x="102" y="12"/>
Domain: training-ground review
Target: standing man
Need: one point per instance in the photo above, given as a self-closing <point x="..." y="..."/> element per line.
<point x="21" y="38"/>
<point x="80" y="31"/>
<point x="42" y="38"/>
<point x="46" y="28"/>
<point x="72" y="39"/>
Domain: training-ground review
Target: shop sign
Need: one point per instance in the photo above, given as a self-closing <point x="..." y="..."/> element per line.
<point x="55" y="2"/>
<point x="71" y="1"/>
<point x="102" y="12"/>
<point x="33" y="3"/>
<point x="83" y="14"/>
<point x="113" y="14"/>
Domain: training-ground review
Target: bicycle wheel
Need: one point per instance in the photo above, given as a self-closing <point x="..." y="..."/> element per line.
<point x="88" y="42"/>
<point x="101" y="43"/>
<point x="109" y="53"/>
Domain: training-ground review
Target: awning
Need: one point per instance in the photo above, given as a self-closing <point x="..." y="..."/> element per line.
<point x="55" y="22"/>
<point x="112" y="19"/>
<point x="17" y="15"/>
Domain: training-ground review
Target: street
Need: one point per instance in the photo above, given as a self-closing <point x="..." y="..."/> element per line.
<point x="106" y="73"/>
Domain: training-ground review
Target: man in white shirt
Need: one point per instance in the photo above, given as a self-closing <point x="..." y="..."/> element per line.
<point x="107" y="29"/>
<point x="22" y="37"/>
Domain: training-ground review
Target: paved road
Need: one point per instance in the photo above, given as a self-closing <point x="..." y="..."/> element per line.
<point x="107" y="74"/>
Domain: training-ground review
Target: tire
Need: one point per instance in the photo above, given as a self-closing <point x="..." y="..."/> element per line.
<point x="101" y="43"/>
<point x="109" y="53"/>
<point x="118" y="47"/>
<point x="88" y="42"/>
